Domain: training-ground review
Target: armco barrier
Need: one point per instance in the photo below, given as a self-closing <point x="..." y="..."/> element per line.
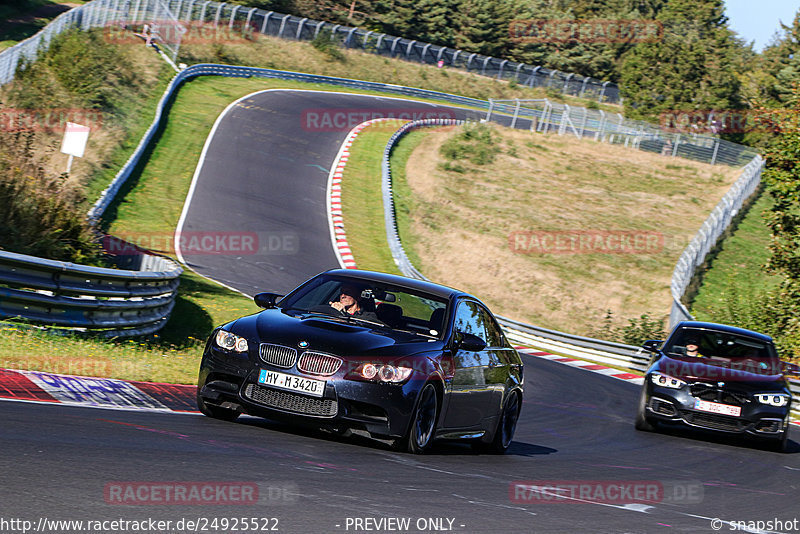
<point x="110" y="302"/>
<point x="595" y="350"/>
<point x="168" y="20"/>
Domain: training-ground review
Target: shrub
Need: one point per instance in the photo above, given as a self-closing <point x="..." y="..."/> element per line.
<point x="475" y="142"/>
<point x="328" y="46"/>
<point x="38" y="213"/>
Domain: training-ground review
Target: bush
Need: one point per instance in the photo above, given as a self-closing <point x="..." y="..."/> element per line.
<point x="78" y="70"/>
<point x="637" y="331"/>
<point x="38" y="213"/>
<point x="325" y="44"/>
<point x="475" y="142"/>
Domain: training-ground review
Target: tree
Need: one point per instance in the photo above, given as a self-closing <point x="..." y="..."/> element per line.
<point x="782" y="63"/>
<point x="483" y="27"/>
<point x="690" y="68"/>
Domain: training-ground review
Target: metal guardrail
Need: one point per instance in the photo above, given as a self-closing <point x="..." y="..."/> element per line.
<point x="544" y="115"/>
<point x="165" y="16"/>
<point x="110" y="302"/>
<point x="596" y="350"/>
<point x="706" y="238"/>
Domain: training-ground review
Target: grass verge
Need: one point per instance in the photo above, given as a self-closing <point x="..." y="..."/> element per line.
<point x="457" y="215"/>
<point x="735" y="271"/>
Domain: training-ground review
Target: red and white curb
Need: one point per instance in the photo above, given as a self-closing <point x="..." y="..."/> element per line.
<point x="50" y="388"/>
<point x="336" y="222"/>
<point x="587" y="366"/>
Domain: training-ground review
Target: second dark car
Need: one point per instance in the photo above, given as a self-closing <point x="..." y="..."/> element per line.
<point x="718" y="378"/>
<point x="398" y="358"/>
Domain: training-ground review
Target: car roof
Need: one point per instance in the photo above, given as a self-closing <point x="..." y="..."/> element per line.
<point x="722" y="328"/>
<point x="402" y="281"/>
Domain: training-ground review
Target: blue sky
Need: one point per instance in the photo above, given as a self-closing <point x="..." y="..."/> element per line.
<point x="757" y="20"/>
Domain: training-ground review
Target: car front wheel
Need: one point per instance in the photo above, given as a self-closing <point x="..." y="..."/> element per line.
<point x="217" y="412"/>
<point x="643" y="423"/>
<point x="423" y="422"/>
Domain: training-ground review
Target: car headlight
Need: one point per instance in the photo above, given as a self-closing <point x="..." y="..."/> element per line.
<point x="773" y="399"/>
<point x="229" y="341"/>
<point x="666" y="381"/>
<point x="383" y="373"/>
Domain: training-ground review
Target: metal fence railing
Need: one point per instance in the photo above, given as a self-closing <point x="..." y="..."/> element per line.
<point x="109" y="302"/>
<point x="94" y="14"/>
<point x="595" y="350"/>
<point x="544" y="115"/>
<point x="706" y="238"/>
<point x="166" y="16"/>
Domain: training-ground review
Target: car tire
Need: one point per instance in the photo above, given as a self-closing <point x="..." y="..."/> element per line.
<point x="216" y="412"/>
<point x="781" y="444"/>
<point x="423" y="422"/>
<point x="506" y="425"/>
<point x="643" y="423"/>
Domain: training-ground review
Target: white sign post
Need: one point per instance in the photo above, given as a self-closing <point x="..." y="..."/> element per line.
<point x="75" y="137"/>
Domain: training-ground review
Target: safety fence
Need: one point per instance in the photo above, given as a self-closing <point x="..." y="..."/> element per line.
<point x="94" y="14"/>
<point x="544" y="115"/>
<point x="105" y="301"/>
<point x="167" y="21"/>
<point x="707" y="237"/>
<point x="595" y="350"/>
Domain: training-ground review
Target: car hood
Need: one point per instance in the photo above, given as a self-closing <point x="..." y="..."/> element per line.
<point x="704" y="370"/>
<point x="332" y="335"/>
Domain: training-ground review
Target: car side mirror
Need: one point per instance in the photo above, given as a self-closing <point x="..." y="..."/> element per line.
<point x="652" y="345"/>
<point x="469" y="342"/>
<point x="266" y="300"/>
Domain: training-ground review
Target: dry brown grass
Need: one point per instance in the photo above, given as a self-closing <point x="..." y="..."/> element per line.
<point x="107" y="135"/>
<point x="282" y="54"/>
<point x="462" y="223"/>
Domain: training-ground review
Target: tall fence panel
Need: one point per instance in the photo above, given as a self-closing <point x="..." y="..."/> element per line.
<point x="165" y="17"/>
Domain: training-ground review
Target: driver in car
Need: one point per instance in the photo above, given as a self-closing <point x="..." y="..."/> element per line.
<point x="351" y="303"/>
<point x="693" y="348"/>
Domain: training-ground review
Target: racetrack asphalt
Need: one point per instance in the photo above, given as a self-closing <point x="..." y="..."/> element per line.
<point x="263" y="172"/>
<point x="575" y="427"/>
<point x="264" y="176"/>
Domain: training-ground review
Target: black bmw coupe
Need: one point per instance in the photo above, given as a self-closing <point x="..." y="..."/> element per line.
<point x="348" y="350"/>
<point x="719" y="378"/>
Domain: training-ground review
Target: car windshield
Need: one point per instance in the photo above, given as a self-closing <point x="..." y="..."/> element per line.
<point x="366" y="301"/>
<point x="725" y="347"/>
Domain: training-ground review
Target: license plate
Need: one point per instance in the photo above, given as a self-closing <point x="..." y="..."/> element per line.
<point x="715" y="407"/>
<point x="292" y="383"/>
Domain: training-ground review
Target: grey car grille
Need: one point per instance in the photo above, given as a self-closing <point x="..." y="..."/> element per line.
<point x="725" y="396"/>
<point x="291" y="402"/>
<point x="318" y="363"/>
<point x="277" y="355"/>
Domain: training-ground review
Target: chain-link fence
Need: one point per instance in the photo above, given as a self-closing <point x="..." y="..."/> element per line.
<point x="706" y="238"/>
<point x="544" y="116"/>
<point x="163" y="14"/>
<point x="97" y="14"/>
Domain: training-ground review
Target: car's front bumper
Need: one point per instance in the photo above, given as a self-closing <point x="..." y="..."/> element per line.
<point x="678" y="407"/>
<point x="384" y="410"/>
